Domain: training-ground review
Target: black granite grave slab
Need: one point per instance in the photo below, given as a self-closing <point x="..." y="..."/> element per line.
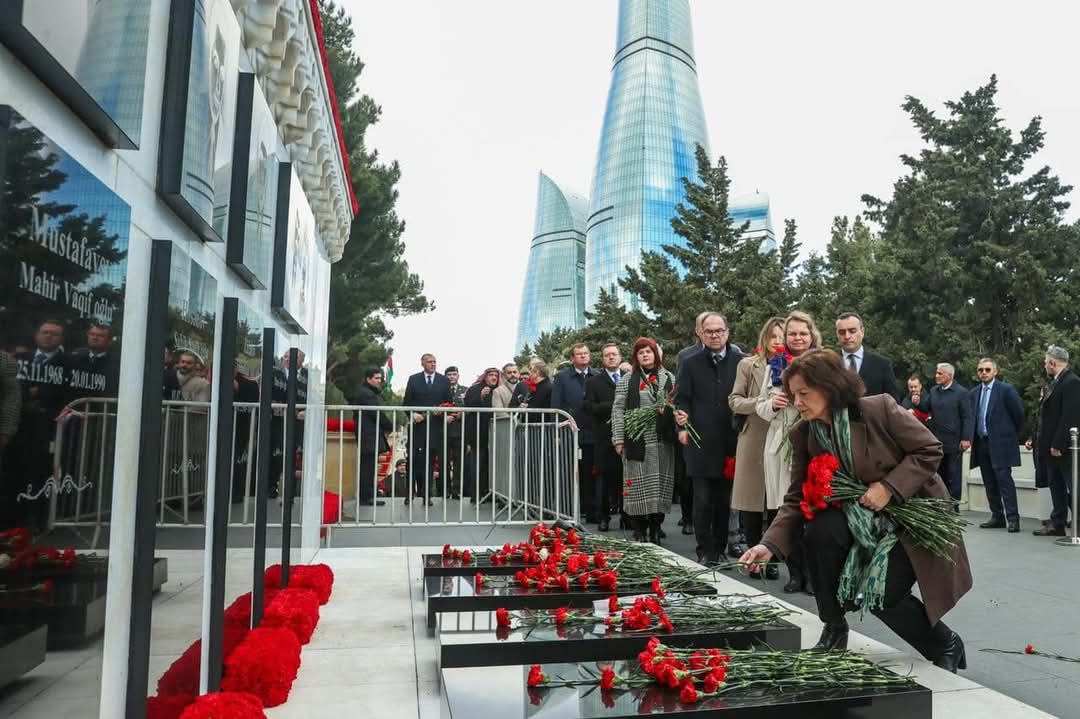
<point x="472" y="639"/>
<point x="21" y="649"/>
<point x="435" y="565"/>
<point x="470" y="692"/>
<point x="457" y="594"/>
<point x="74" y="612"/>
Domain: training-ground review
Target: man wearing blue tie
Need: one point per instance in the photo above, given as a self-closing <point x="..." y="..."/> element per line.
<point x="999" y="415"/>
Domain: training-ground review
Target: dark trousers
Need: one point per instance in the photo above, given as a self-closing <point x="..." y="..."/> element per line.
<point x="476" y="467"/>
<point x="951" y="471"/>
<point x="828" y="540"/>
<point x="1059" y="473"/>
<point x="609" y="486"/>
<point x="367" y="477"/>
<point x="755" y="523"/>
<point x="712" y="509"/>
<point x="998" y="483"/>
<point x="684" y="485"/>
<point x="452" y="470"/>
<point x="590" y="509"/>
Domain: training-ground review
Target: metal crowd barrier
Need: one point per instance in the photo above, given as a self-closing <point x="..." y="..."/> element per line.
<point x="522" y="462"/>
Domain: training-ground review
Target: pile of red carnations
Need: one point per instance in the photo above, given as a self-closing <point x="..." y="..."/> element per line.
<point x="260" y="664"/>
<point x="817" y="487"/>
<point x="457" y="555"/>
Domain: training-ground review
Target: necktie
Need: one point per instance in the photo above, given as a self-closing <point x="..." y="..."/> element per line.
<point x="851" y="364"/>
<point x="428" y="380"/>
<point x="984" y="402"/>
<point x="40" y="359"/>
<point x="615" y="378"/>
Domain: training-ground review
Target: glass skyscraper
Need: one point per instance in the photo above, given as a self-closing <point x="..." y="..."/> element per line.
<point x="754" y="208"/>
<point x="652" y="124"/>
<point x="554" y="294"/>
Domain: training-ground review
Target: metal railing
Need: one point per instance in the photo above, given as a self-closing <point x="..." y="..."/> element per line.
<point x="1074" y="540"/>
<point x="524" y="462"/>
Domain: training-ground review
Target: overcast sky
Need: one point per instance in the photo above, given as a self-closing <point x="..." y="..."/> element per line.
<point x="802" y="98"/>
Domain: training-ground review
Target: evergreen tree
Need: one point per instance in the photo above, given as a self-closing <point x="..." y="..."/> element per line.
<point x="553" y="347"/>
<point x="372" y="280"/>
<point x="976" y="257"/>
<point x="610" y="321"/>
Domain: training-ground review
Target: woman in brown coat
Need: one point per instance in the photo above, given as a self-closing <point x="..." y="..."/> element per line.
<point x="896" y="457"/>
<point x="748" y="494"/>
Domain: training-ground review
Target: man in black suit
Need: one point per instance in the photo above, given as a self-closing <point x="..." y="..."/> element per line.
<point x="1059" y="411"/>
<point x="599" y="398"/>
<point x="999" y="415"/>
<point x="371" y="430"/>
<point x="705" y="381"/>
<point x="875" y="370"/>
<point x="568" y="394"/>
<point x="43" y="377"/>
<point x="95" y="369"/>
<point x="427" y="388"/>
<point x="952" y="422"/>
<point x="683" y="486"/>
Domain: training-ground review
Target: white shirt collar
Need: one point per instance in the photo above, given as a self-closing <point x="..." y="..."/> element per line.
<point x="857" y="354"/>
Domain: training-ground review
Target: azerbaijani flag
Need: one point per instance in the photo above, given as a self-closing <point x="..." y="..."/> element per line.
<point x="389" y="370"/>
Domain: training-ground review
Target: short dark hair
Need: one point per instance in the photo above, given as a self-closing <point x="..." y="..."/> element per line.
<point x="578" y="345"/>
<point x="824" y="371"/>
<point x="848" y="316"/>
<point x="451" y="368"/>
<point x="371" y="372"/>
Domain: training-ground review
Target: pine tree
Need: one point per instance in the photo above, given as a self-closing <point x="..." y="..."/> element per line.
<point x="976" y="257"/>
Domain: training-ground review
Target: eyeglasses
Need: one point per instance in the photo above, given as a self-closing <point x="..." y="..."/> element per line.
<point x="985" y="369"/>
<point x="713" y="333"/>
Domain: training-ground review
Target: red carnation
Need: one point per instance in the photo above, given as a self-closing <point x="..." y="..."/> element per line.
<point x="607" y="679"/>
<point x="296" y="610"/>
<point x="599" y="560"/>
<point x="613" y="603"/>
<point x="560" y="615"/>
<point x="666" y="623"/>
<point x="446" y="551"/>
<point x="564" y="582"/>
<point x="536" y="676"/>
<point x="531" y="385"/>
<point x="264" y="664"/>
<point x="235" y="705"/>
<point x="466" y="557"/>
<point x="1029" y="649"/>
<point x="502" y="617"/>
<point x="608" y="581"/>
<point x="729" y="468"/>
<point x="657" y="588"/>
<point x="688" y="695"/>
<point x="168" y="707"/>
<point x="478" y="580"/>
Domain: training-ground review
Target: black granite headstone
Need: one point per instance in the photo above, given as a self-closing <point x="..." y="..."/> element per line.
<point x="458" y="594"/>
<point x="472" y="639"/>
<point x="21" y="649"/>
<point x="470" y="692"/>
<point x="435" y="565"/>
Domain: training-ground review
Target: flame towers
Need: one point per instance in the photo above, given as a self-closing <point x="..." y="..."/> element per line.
<point x="653" y="121"/>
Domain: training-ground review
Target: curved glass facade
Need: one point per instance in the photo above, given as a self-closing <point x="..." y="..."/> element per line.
<point x="754" y="208"/>
<point x="653" y="121"/>
<point x="554" y="293"/>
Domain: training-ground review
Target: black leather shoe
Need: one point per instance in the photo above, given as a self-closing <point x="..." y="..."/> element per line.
<point x="688" y="529"/>
<point x="639" y="536"/>
<point x="1014" y="527"/>
<point x="834" y="636"/>
<point x="793" y="585"/>
<point x="604" y="526"/>
<point x="1050" y="531"/>
<point x="953" y="657"/>
<point x="682" y="522"/>
<point x="993" y="523"/>
<point x="772" y="571"/>
<point x="662" y="534"/>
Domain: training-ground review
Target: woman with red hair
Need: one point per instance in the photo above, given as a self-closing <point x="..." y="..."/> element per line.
<point x="649" y="459"/>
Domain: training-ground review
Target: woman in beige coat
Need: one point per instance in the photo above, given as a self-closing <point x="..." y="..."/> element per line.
<point x="748" y="494"/>
<point x="774" y="406"/>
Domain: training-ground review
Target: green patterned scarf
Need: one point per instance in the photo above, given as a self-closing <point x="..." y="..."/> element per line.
<point x="862" y="583"/>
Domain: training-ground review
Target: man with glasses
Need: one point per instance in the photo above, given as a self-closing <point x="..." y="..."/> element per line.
<point x="999" y="415"/>
<point x="705" y="381"/>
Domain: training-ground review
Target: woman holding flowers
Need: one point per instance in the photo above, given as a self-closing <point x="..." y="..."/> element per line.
<point x="643" y="432"/>
<point x="748" y="492"/>
<point x="897" y="528"/>
<point x="774" y="406"/>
